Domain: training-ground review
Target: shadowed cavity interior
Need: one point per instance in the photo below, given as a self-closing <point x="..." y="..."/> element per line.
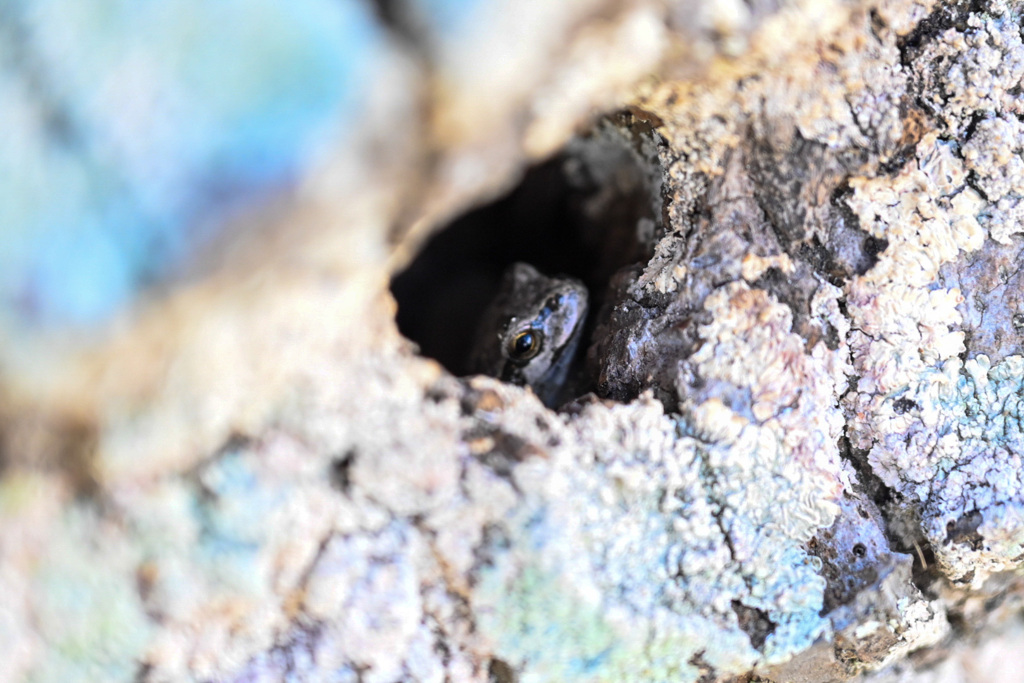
<point x="559" y="221"/>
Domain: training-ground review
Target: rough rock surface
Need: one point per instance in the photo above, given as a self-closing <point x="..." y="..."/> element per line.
<point x="799" y="453"/>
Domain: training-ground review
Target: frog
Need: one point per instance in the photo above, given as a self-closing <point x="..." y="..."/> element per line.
<point x="530" y="333"/>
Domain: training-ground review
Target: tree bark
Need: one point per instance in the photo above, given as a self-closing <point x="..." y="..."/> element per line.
<point x="799" y="453"/>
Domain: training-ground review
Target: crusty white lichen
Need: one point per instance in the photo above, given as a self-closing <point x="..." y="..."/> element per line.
<point x="975" y="76"/>
<point x="977" y="69"/>
<point x="794" y="401"/>
<point x="993" y="154"/>
<point x="941" y="431"/>
<point x="643" y="544"/>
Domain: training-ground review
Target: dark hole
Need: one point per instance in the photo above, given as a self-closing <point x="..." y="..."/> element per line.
<point x="873" y="246"/>
<point x="340" y="476"/>
<point x="754" y="622"/>
<point x="994" y="602"/>
<point x="964" y="530"/>
<point x="142" y="672"/>
<point x="902" y="405"/>
<point x="398" y="16"/>
<point x="500" y="672"/>
<point x="548" y="221"/>
<point x="859" y="550"/>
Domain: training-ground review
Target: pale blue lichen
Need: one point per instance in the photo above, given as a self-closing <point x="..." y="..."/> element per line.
<point x="974" y="469"/>
<point x="136" y="129"/>
<point x="85" y="605"/>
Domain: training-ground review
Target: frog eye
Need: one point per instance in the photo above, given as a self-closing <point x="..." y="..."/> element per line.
<point x="525" y="344"/>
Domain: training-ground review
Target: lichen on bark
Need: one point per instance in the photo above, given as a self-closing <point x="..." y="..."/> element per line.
<point x="800" y="458"/>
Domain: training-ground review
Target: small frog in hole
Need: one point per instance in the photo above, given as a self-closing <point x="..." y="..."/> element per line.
<point x="531" y="331"/>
